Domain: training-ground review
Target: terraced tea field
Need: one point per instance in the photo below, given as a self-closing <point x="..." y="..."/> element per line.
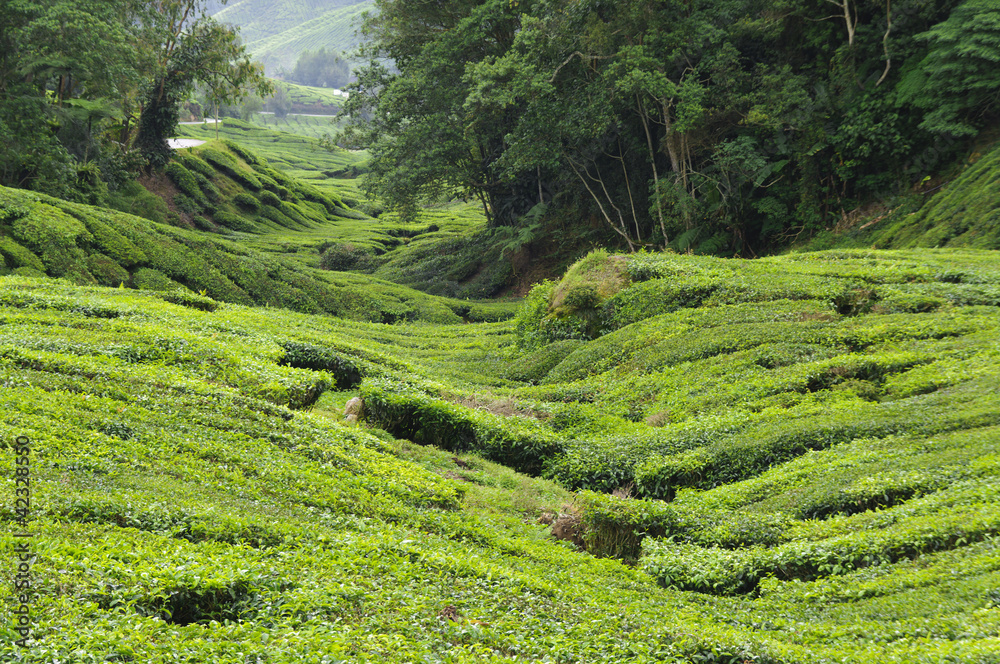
<point x="785" y="460"/>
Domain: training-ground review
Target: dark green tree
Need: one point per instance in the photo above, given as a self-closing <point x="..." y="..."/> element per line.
<point x="957" y="83"/>
<point x="63" y="67"/>
<point x="321" y="69"/>
<point x="191" y="48"/>
<point x="76" y="74"/>
<point x="723" y="126"/>
<point x="411" y="116"/>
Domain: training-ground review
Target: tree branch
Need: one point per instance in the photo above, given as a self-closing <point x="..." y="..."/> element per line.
<point x="885" y="42"/>
<point x="598" y="201"/>
<point x="581" y="56"/>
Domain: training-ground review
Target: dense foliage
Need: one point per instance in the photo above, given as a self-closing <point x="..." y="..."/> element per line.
<point x="963" y="211"/>
<point x="723" y="126"/>
<point x="320" y="69"/>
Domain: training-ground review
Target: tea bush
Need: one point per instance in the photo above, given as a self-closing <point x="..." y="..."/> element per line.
<point x="806" y="445"/>
<point x="186" y="182"/>
<point x="407" y="412"/>
<point x="224" y="271"/>
<point x="227" y="165"/>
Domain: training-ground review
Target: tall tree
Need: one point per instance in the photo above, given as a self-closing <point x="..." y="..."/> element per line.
<point x="190" y="48"/>
<point x="71" y="68"/>
<point x="411" y="117"/>
<point x="707" y="125"/>
<point x="957" y="82"/>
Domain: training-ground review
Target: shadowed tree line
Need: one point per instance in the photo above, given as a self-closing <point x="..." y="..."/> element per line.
<point x="718" y="126"/>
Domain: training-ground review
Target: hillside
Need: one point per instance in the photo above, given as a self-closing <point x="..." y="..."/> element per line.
<point x="961" y="212"/>
<point x="823" y="429"/>
<point x="272" y="402"/>
<point x="310" y="100"/>
<point x="448" y="251"/>
<point x="240" y="231"/>
<point x="278" y="32"/>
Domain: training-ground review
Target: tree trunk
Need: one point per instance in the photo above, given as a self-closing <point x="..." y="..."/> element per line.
<point x="851" y="21"/>
<point x="607" y="218"/>
<point x="885" y="42"/>
<point x="656" y="174"/>
<point x="676" y="145"/>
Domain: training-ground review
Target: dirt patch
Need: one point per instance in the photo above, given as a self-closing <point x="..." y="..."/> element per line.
<point x="658" y="419"/>
<point x="450" y="613"/>
<point x="566" y="525"/>
<point x="161" y="186"/>
<point x="816" y="316"/>
<point x="535" y="263"/>
<point x="567" y="528"/>
<point x="870" y="214"/>
<point x="504" y="407"/>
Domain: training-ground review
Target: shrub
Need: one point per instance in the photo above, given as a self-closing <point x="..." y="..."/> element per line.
<point x="247" y="202"/>
<point x="615" y="527"/>
<point x="113" y="242"/>
<point x="208" y="188"/>
<point x="535" y="366"/>
<point x="17" y="256"/>
<point x="186" y="298"/>
<point x="311" y="193"/>
<point x="291" y="211"/>
<point x="149" y="279"/>
<point x="722" y="571"/>
<point x="242" y="152"/>
<point x="234" y="222"/>
<point x="267" y="198"/>
<point x="409" y="413"/>
<point x="187" y="204"/>
<point x="194" y="163"/>
<point x="133" y="198"/>
<point x="106" y="271"/>
<point x="186" y="182"/>
<point x="227" y="165"/>
<point x="347" y="256"/>
<point x="308" y="356"/>
<point x="277" y="216"/>
<point x="54" y="237"/>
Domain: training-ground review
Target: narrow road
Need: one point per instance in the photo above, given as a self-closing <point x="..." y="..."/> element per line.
<point x="177" y="143"/>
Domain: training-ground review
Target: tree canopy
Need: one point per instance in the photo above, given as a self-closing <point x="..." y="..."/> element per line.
<point x="721" y="126"/>
<point x="321" y="69"/>
<point x="89" y="88"/>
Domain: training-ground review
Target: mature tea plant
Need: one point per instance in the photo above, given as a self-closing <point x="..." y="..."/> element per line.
<point x="786" y="460"/>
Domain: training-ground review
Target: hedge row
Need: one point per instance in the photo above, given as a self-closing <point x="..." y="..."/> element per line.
<point x="410" y="413"/>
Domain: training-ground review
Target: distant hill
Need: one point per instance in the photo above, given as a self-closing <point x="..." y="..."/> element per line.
<point x="277" y="31"/>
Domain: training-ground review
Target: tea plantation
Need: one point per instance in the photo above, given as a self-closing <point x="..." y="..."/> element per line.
<point x="786" y="460"/>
